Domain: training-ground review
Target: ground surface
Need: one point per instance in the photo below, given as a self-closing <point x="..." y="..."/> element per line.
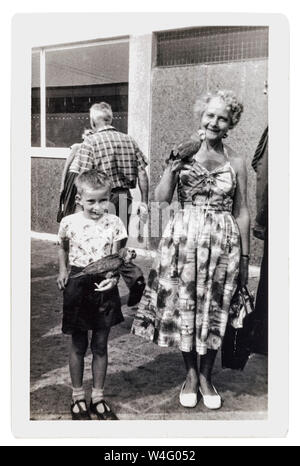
<point x="143" y="380"/>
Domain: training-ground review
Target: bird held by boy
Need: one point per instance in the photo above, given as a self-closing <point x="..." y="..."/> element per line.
<point x="108" y="264"/>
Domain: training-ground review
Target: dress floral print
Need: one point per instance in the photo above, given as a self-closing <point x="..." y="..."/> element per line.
<point x="194" y="274"/>
<point x="90" y="240"/>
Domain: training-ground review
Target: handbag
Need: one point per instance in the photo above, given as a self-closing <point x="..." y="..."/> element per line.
<point x="237" y="341"/>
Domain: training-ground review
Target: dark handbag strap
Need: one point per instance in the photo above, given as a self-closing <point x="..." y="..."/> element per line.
<point x="243" y="293"/>
<point x="251" y="297"/>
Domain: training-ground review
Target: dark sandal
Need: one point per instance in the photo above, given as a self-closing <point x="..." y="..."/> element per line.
<point x="83" y="414"/>
<point x="107" y="415"/>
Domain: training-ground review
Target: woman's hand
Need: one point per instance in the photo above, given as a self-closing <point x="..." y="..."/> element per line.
<point x="178" y="165"/>
<point x="259" y="232"/>
<point x="106" y="284"/>
<point x="244" y="270"/>
<point x="62" y="279"/>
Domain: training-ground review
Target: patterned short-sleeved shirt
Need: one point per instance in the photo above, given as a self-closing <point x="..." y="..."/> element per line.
<point x="90" y="240"/>
<point x="115" y="153"/>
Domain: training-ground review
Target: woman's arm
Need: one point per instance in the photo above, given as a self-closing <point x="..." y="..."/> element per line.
<point x="165" y="188"/>
<point x="69" y="160"/>
<point x="241" y="214"/>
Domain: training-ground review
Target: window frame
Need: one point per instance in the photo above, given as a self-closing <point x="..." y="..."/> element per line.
<point x="59" y="152"/>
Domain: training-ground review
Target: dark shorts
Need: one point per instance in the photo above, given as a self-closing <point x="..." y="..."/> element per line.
<point x="85" y="309"/>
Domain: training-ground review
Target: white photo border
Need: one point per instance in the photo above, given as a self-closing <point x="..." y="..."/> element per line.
<point x="32" y="30"/>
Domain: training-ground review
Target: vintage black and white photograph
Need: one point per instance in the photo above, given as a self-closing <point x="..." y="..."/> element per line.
<point x="149" y="223"/>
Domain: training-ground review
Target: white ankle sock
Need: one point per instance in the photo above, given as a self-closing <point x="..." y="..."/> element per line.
<point x="78" y="394"/>
<point x="97" y="394"/>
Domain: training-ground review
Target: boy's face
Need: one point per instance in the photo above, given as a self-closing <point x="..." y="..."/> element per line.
<point x="94" y="201"/>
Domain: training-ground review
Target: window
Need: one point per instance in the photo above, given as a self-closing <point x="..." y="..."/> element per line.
<point x="75" y="77"/>
<point x="213" y="44"/>
<point x="35" y="101"/>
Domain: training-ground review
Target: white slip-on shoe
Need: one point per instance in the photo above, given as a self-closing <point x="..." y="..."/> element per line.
<point x="212" y="401"/>
<point x="188" y="400"/>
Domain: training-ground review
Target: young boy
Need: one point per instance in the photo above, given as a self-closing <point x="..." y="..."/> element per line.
<point x="90" y="302"/>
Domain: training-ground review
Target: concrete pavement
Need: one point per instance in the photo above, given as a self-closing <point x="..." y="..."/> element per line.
<point x="143" y="380"/>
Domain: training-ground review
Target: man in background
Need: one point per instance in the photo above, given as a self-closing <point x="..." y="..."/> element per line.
<point x="260" y="231"/>
<point x="118" y="155"/>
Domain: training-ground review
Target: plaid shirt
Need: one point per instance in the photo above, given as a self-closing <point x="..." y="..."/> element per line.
<point x="115" y="153"/>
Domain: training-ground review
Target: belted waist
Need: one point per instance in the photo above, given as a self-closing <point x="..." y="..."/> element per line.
<point x="205" y="206"/>
<point x="119" y="189"/>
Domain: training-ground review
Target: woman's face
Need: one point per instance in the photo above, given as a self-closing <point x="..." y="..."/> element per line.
<point x="215" y="119"/>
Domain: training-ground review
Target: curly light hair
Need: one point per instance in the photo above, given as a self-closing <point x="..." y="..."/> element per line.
<point x="234" y="107"/>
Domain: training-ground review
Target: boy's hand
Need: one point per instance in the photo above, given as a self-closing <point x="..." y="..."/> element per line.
<point x="106" y="284"/>
<point x="62" y="279"/>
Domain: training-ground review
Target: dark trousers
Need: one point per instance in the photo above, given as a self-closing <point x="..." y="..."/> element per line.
<point x="260" y="314"/>
<point x="122" y="200"/>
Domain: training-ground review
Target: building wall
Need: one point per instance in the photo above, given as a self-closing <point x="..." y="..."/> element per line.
<point x="139" y="101"/>
<point x="174" y="91"/>
<point x="161" y="116"/>
<point x="46" y="173"/>
<point x="45" y="184"/>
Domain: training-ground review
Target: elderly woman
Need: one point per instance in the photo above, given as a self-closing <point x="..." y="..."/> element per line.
<point x="204" y="250"/>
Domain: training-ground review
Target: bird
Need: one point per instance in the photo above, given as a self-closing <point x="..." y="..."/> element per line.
<point x="109" y="264"/>
<point x="186" y="149"/>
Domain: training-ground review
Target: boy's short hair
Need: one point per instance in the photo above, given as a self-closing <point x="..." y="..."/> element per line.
<point x="101" y="111"/>
<point x="94" y="179"/>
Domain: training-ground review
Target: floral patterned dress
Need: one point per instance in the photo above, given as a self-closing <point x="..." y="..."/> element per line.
<point x="194" y="274"/>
